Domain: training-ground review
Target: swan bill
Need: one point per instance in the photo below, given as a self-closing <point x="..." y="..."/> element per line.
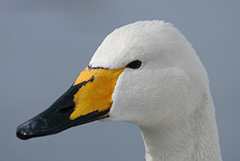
<point x="87" y="100"/>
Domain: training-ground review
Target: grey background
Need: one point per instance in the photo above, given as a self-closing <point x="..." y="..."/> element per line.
<point x="45" y="44"/>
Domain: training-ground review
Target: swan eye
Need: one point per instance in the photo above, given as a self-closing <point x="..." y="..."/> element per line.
<point x="135" y="64"/>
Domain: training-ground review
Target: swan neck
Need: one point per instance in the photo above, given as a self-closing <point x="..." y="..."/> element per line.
<point x="192" y="139"/>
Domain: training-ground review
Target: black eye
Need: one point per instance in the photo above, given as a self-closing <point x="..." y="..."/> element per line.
<point x="135" y="64"/>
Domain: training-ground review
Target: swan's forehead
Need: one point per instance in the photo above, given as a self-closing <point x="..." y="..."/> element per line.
<point x="141" y="40"/>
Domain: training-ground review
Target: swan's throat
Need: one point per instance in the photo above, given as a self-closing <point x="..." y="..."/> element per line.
<point x="192" y="139"/>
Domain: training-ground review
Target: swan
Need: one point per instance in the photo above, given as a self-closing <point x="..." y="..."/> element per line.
<point x="148" y="74"/>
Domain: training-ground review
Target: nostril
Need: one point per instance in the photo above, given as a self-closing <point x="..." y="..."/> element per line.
<point x="67" y="109"/>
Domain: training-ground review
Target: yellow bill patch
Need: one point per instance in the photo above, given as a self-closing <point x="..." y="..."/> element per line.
<point x="96" y="94"/>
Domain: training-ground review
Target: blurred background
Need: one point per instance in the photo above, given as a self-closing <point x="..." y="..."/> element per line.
<point x="45" y="44"/>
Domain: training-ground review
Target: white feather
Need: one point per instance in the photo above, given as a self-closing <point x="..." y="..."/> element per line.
<point x="168" y="97"/>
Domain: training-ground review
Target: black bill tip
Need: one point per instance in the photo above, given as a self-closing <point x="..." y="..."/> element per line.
<point x="43" y="125"/>
<point x="57" y="117"/>
<point x="37" y="126"/>
<point x="23" y="132"/>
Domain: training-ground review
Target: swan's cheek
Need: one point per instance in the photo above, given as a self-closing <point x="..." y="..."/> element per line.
<point x="174" y="95"/>
<point x="132" y="97"/>
<point x="150" y="98"/>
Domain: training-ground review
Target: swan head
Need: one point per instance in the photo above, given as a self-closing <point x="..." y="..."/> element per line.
<point x="145" y="73"/>
<point x="167" y="85"/>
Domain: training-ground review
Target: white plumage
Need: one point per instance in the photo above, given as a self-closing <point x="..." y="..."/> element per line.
<point x="148" y="74"/>
<point x="168" y="97"/>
